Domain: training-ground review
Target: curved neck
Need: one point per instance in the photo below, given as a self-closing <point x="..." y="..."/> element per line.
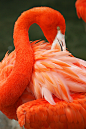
<point x="21" y="29"/>
<point x="48" y="19"/>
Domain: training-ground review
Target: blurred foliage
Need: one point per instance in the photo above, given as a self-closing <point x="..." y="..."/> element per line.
<point x="11" y="9"/>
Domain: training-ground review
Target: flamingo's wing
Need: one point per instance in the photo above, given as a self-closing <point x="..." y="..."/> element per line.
<point x="56" y="72"/>
<point x="39" y="114"/>
<point x="81" y="9"/>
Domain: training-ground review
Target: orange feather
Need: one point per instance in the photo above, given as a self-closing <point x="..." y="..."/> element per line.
<point x="81" y="9"/>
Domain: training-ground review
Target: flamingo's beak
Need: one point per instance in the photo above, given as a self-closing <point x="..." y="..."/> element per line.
<point x="59" y="41"/>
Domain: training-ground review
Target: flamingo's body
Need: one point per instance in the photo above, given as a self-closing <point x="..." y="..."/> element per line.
<point x="56" y="76"/>
<point x="81" y="9"/>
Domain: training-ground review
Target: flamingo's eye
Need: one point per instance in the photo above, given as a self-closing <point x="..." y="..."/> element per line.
<point x="58" y="28"/>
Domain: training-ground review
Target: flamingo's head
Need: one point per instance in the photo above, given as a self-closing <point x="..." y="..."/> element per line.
<point x="53" y="26"/>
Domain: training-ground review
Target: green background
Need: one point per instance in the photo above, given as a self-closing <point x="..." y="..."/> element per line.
<point x="75" y="28"/>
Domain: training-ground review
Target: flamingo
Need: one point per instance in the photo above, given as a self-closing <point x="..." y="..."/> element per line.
<point x="81" y="9"/>
<point x="42" y="85"/>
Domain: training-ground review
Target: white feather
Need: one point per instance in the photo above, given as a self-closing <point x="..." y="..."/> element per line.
<point x="47" y="95"/>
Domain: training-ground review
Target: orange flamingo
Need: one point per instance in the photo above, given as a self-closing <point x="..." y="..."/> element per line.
<point x="81" y="9"/>
<point x="42" y="81"/>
